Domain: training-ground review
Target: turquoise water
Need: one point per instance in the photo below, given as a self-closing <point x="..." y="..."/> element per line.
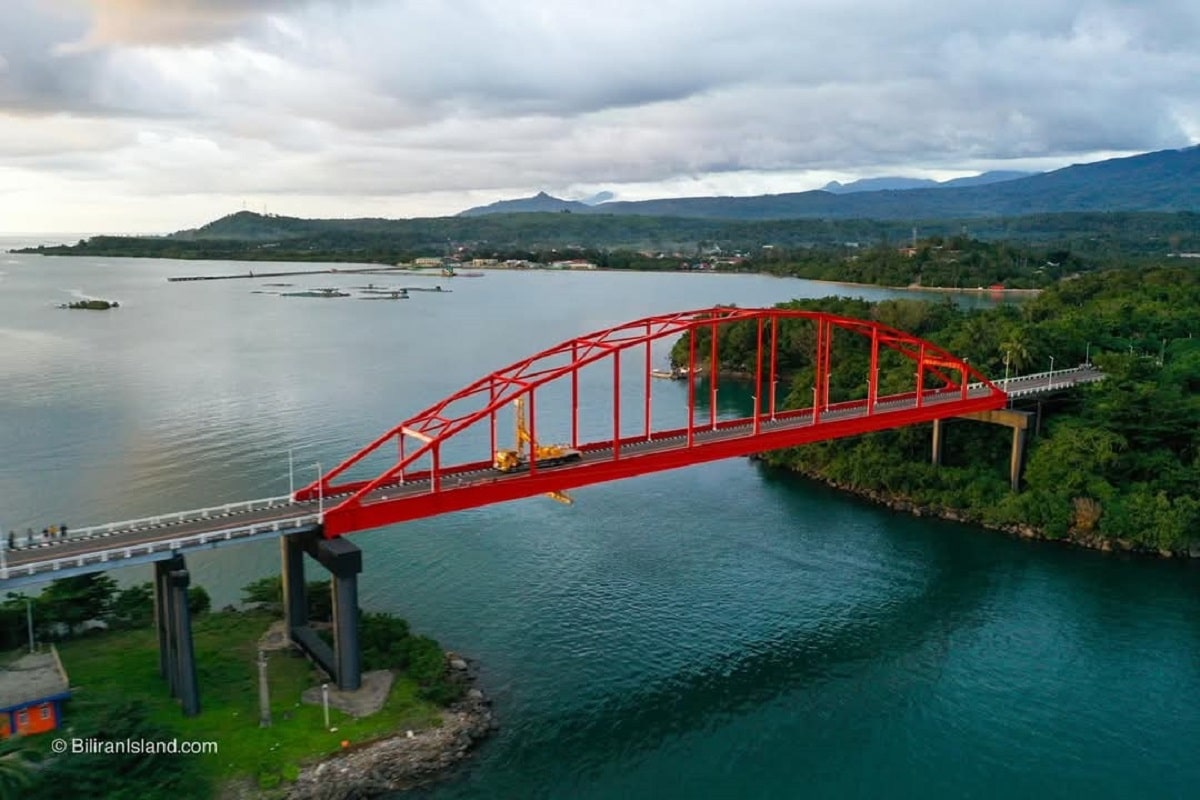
<point x="719" y="631"/>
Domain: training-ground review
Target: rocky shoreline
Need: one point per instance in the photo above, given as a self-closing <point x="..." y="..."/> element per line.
<point x="1076" y="538"/>
<point x="404" y="761"/>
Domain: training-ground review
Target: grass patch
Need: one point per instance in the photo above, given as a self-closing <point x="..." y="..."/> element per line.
<point x="123" y="665"/>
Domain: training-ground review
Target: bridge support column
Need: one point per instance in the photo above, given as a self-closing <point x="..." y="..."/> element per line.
<point x="1019" y="421"/>
<point x="344" y="562"/>
<point x="1016" y="461"/>
<point x="164" y="622"/>
<point x="937" y="442"/>
<point x="173" y="624"/>
<point x="185" y="664"/>
<point x="295" y="594"/>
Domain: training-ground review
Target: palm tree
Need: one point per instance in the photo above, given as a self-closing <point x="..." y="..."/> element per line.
<point x="1015" y="350"/>
<point x="15" y="774"/>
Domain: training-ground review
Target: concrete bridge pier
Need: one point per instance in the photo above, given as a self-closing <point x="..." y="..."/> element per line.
<point x="173" y="623"/>
<point x="344" y="562"/>
<point x="1019" y="421"/>
<point x="937" y="442"/>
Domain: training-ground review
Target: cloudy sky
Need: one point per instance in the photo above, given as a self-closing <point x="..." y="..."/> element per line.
<point x="155" y="115"/>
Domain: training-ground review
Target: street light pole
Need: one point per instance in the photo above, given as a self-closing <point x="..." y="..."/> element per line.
<point x="1087" y="358"/>
<point x="291" y="476"/>
<point x="29" y="620"/>
<point x="320" y="494"/>
<point x="1051" y="384"/>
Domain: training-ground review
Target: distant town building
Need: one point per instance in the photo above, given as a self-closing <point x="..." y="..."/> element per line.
<point x="32" y="692"/>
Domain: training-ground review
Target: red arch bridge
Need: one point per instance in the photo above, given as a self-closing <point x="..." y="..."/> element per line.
<point x="445" y="458"/>
<point x="420" y="481"/>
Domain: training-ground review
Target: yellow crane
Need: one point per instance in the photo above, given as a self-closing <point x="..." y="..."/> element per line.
<point x="552" y="455"/>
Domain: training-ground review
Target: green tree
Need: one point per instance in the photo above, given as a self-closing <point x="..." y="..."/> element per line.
<point x="267" y="593"/>
<point x="1015" y="349"/>
<point x="16" y="774"/>
<point x="198" y="600"/>
<point x="122" y="776"/>
<point x="70" y="602"/>
<point x="132" y="607"/>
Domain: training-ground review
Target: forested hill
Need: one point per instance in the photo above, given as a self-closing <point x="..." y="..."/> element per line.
<point x="809" y="248"/>
<point x="1115" y="464"/>
<point x="1168" y="180"/>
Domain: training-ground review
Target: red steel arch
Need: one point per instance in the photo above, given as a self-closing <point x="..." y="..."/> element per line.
<point x="943" y="386"/>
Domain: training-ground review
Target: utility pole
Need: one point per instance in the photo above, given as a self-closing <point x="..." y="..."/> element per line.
<point x="264" y="696"/>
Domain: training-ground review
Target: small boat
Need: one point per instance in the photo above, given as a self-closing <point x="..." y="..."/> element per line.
<point x="674" y="373"/>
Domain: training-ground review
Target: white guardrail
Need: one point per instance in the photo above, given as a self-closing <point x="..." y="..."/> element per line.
<point x="177" y="517"/>
<point x="150" y="548"/>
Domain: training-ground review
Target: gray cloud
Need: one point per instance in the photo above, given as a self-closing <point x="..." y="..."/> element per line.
<point x="397" y="99"/>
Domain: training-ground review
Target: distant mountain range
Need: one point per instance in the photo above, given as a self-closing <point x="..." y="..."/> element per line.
<point x="897" y="183"/>
<point x="1167" y="180"/>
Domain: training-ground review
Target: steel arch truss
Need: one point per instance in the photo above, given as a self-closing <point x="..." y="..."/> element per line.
<point x="942" y="386"/>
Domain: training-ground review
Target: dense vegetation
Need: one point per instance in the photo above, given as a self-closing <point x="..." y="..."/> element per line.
<point x="954" y="262"/>
<point x="67" y="607"/>
<point x="1118" y="460"/>
<point x="119" y="694"/>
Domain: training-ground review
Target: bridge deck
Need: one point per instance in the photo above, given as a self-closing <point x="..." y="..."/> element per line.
<point x="154" y="538"/>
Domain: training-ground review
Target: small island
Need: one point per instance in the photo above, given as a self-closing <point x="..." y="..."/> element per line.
<point x="92" y="305"/>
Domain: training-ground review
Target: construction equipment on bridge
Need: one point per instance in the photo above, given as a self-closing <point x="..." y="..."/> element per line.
<point x="544" y="455"/>
<point x="550" y="455"/>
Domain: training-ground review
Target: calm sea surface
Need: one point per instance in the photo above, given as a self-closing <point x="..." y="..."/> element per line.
<point x="719" y="631"/>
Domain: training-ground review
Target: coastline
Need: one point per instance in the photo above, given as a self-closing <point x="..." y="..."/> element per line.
<point x="1074" y="538"/>
<point x="398" y="761"/>
<point x="979" y="290"/>
<point x="910" y="288"/>
<point x="368" y="267"/>
<point x="403" y="761"/>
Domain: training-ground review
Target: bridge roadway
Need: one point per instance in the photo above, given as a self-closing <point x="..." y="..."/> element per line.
<point x="155" y="538"/>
